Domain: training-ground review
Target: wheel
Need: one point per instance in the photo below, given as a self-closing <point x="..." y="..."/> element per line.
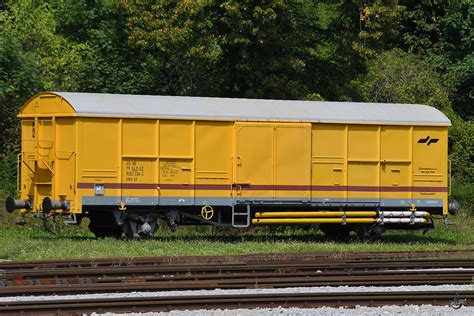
<point x="335" y="232"/>
<point x="103" y="224"/>
<point x="362" y="231"/>
<point x="136" y="229"/>
<point x="369" y="233"/>
<point x="127" y="228"/>
<point x="375" y="232"/>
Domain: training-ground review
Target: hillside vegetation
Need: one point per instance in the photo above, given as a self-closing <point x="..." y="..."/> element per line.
<point x="354" y="50"/>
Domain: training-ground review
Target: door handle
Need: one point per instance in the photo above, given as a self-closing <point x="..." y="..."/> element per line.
<point x="238" y="187"/>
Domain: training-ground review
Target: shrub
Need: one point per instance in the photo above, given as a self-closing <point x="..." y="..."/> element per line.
<point x="8" y="176"/>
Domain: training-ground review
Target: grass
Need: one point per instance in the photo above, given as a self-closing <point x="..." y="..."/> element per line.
<point x="30" y="242"/>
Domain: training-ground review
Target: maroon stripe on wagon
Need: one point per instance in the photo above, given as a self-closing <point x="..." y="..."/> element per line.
<point x="329" y="188"/>
<point x="145" y="186"/>
<point x="278" y="187"/>
<point x="260" y="187"/>
<point x="177" y="186"/>
<point x="82" y="185"/>
<point x="139" y="186"/>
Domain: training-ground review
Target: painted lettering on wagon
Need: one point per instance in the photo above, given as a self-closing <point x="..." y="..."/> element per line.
<point x="134" y="170"/>
<point x="169" y="170"/>
<point x="428" y="170"/>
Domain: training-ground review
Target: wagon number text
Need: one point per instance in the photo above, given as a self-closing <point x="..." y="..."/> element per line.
<point x="134" y="170"/>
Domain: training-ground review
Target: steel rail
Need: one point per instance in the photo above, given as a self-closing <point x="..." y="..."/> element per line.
<point x="271" y="273"/>
<point x="237" y="267"/>
<point x="174" y="271"/>
<point x="237" y="259"/>
<point x="194" y="302"/>
<point x="248" y="279"/>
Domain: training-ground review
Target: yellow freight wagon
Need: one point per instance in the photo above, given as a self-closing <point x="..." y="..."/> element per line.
<point x="126" y="160"/>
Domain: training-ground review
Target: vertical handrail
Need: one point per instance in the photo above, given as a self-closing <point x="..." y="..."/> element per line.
<point x="450" y="179"/>
<point x="75" y="174"/>
<point x="18" y="175"/>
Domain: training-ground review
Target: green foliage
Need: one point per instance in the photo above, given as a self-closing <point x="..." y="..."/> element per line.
<point x="367" y="50"/>
<point x="20" y="76"/>
<point x="8" y="168"/>
<point x="398" y="77"/>
<point x="247" y="49"/>
<point x="464" y="192"/>
<point x="95" y="55"/>
<point x="333" y="61"/>
<point x="18" y="81"/>
<point x="461" y="150"/>
<point x="443" y="31"/>
<point x="380" y="25"/>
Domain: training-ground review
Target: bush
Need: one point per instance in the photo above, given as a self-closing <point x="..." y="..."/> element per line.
<point x="398" y="77"/>
<point x="464" y="193"/>
<point x="461" y="149"/>
<point x="8" y="176"/>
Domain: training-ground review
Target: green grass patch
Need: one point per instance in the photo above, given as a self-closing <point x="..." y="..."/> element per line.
<point x="30" y="242"/>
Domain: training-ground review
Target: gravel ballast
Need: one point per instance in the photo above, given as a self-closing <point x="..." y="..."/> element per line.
<point x="423" y="310"/>
<point x="315" y="290"/>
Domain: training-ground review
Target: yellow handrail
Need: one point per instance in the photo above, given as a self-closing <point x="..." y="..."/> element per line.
<point x="450" y="180"/>
<point x="18" y="176"/>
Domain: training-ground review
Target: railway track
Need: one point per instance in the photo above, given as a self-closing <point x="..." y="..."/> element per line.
<point x="235" y="272"/>
<point x="193" y="302"/>
<point x="242" y="272"/>
<point x="243" y="259"/>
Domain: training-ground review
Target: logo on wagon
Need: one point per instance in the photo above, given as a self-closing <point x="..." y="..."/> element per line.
<point x="428" y="140"/>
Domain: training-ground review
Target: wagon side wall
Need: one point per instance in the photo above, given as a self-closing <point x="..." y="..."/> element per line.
<point x="142" y="162"/>
<point x="387" y="163"/>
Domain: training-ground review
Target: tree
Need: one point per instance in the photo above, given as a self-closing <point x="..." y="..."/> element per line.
<point x="399" y="77"/>
<point x="226" y="48"/>
<point x="96" y="55"/>
<point x="443" y="31"/>
<point x="19" y="79"/>
<point x="379" y="26"/>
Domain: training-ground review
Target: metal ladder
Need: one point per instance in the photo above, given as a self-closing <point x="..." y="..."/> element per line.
<point x="239" y="218"/>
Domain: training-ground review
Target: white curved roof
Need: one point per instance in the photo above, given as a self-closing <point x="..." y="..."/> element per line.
<point x="251" y="109"/>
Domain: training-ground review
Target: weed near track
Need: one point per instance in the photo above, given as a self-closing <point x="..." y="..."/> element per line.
<point x="30" y="242"/>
